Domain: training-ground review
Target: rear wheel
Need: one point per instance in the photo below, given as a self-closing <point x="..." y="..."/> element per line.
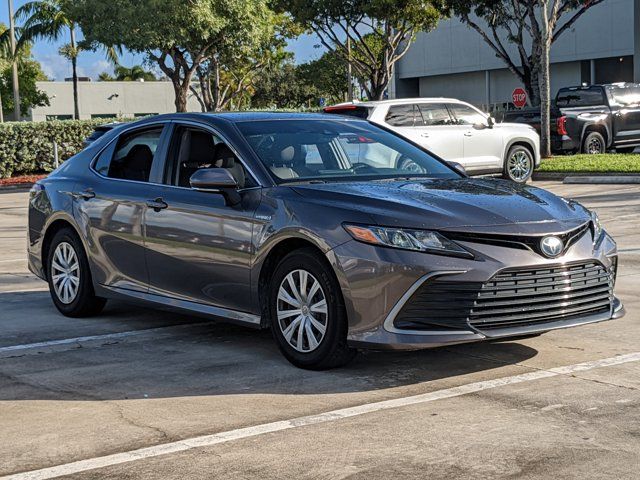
<point x="594" y="144"/>
<point x="308" y="318"/>
<point x="518" y="165"/>
<point x="69" y="277"/>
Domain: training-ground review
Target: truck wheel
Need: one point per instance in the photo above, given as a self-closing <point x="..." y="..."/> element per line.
<point x="518" y="165"/>
<point x="594" y="144"/>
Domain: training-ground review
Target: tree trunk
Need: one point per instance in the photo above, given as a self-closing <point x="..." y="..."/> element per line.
<point x="181" y="90"/>
<point x="74" y="74"/>
<point x="545" y="90"/>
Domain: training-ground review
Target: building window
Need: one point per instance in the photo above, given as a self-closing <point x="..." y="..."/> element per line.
<point x="50" y="118"/>
<point x="104" y="115"/>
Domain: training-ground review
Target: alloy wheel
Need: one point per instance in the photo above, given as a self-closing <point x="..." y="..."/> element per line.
<point x="302" y="311"/>
<point x="65" y="273"/>
<point x="519" y="166"/>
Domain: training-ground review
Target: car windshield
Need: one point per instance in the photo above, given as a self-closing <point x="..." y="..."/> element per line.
<point x="625" y="95"/>
<point x="333" y="150"/>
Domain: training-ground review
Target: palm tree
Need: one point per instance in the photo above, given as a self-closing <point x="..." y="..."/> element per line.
<point x="50" y="19"/>
<point x="133" y="74"/>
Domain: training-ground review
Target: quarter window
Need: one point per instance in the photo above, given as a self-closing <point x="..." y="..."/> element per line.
<point x="133" y="156"/>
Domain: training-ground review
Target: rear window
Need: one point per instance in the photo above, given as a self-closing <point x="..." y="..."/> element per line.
<point x="357" y="111"/>
<point x="583" y="97"/>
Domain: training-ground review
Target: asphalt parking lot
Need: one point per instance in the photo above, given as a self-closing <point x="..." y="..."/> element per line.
<point x="135" y="393"/>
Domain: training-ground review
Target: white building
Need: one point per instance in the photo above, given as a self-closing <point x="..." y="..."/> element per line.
<point x="454" y="61"/>
<point x="108" y="100"/>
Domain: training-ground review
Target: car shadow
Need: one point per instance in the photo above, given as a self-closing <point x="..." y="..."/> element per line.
<point x="214" y="358"/>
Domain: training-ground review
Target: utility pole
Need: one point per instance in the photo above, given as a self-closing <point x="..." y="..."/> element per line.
<point x="14" y="65"/>
<point x="349" y="74"/>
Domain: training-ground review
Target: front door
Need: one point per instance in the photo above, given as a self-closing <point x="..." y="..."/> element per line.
<point x="483" y="146"/>
<point x="198" y="247"/>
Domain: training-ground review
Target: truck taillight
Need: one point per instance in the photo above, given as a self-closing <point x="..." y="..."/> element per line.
<point x="561" y="125"/>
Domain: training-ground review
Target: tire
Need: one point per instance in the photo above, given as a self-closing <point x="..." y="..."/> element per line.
<point x="625" y="149"/>
<point x="290" y="332"/>
<point x="518" y="164"/>
<point x="594" y="144"/>
<point x="79" y="299"/>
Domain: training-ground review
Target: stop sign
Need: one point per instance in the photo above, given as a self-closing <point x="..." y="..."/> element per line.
<point x="519" y="97"/>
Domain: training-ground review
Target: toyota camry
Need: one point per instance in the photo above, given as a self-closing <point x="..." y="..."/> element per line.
<point x="335" y="233"/>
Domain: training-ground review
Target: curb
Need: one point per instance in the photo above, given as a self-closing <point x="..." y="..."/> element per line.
<point x="605" y="179"/>
<point x="16" y="188"/>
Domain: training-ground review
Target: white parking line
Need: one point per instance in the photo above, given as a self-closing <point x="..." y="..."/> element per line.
<point x="71" y="343"/>
<point x="13" y="260"/>
<point x="223" y="437"/>
<point x="25" y="290"/>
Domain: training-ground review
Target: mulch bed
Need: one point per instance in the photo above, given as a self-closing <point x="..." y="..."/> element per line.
<point x="20" y="180"/>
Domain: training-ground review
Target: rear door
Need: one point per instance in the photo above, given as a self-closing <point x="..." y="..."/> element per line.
<point x="110" y="205"/>
<point x="198" y="247"/>
<point x="625" y="106"/>
<point x="430" y="126"/>
<point x="483" y="146"/>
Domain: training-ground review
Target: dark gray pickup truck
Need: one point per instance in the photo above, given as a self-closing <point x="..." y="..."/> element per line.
<point x="590" y="119"/>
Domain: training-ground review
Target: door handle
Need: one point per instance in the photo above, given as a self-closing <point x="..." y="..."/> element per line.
<point x="425" y="135"/>
<point x="468" y="134"/>
<point x="157" y="204"/>
<point x="87" y="194"/>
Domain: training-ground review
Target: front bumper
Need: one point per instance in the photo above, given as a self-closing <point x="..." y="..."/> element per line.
<point x="378" y="282"/>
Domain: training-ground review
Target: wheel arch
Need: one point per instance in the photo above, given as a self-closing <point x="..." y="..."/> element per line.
<point x="54" y="226"/>
<point x="522" y="142"/>
<point x="601" y="128"/>
<point x="272" y="256"/>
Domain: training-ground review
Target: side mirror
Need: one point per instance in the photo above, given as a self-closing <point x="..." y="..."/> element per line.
<point x="491" y="122"/>
<point x="216" y="180"/>
<point x="459" y="168"/>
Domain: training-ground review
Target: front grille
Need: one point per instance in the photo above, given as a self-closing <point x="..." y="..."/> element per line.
<point x="519" y="297"/>
<point x="513" y="298"/>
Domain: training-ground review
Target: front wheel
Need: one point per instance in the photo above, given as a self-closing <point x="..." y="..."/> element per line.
<point x="308" y="318"/>
<point x="69" y="277"/>
<point x="518" y="165"/>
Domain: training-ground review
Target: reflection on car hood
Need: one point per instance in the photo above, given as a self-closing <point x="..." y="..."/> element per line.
<point x="479" y="205"/>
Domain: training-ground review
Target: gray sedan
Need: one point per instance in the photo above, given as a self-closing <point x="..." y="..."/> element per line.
<point x="335" y="233"/>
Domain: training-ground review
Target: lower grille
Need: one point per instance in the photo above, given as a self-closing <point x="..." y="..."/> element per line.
<point x="513" y="298"/>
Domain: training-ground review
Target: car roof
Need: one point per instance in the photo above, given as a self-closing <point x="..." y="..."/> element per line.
<point x="402" y="101"/>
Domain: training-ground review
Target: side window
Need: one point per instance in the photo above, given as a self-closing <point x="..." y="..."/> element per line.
<point x="193" y="149"/>
<point x="435" y="114"/>
<point x="132" y="158"/>
<point x="465" y="115"/>
<point x="403" y="116"/>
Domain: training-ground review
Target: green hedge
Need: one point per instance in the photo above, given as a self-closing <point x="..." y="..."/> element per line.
<point x="27" y="147"/>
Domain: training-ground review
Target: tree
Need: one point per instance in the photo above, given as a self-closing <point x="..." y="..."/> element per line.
<point x="49" y="19"/>
<point x="283" y="87"/>
<point x="227" y="78"/>
<point x="29" y="72"/>
<point x="390" y="25"/>
<point x="178" y="36"/>
<point x="531" y="26"/>
<point x="327" y="75"/>
<point x="125" y="74"/>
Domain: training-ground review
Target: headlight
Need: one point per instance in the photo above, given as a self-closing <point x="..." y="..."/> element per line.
<point x="597" y="227"/>
<point x="418" y="240"/>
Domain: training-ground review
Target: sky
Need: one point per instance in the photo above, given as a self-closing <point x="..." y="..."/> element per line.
<point x="91" y="64"/>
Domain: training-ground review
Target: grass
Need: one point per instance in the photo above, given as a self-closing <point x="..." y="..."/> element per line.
<point x="585" y="163"/>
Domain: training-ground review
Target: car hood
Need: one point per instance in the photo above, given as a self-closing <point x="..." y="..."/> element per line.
<point x="478" y="205"/>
